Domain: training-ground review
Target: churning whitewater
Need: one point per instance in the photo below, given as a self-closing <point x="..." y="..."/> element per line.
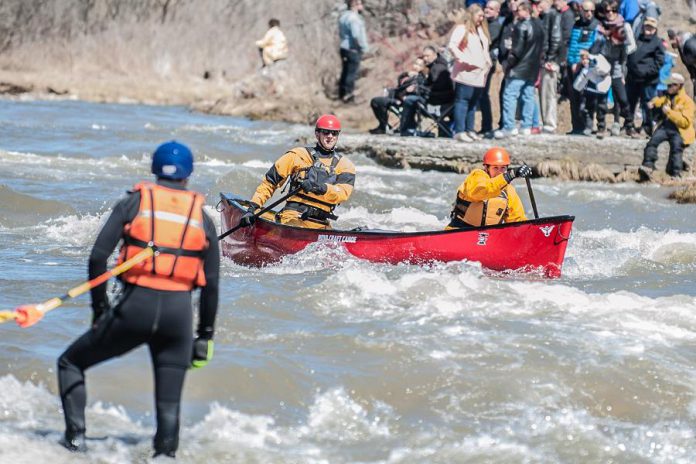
<point x="323" y="358"/>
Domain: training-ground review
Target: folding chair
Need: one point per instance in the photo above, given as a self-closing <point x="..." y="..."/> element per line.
<point x="431" y="117"/>
<point x="393" y="119"/>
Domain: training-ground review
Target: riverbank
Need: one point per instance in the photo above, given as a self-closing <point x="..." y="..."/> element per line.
<point x="613" y="159"/>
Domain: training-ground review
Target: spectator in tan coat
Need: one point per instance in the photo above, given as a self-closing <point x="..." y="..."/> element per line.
<point x="274" y="46"/>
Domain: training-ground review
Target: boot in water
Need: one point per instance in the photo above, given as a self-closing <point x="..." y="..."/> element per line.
<point x="74" y="441"/>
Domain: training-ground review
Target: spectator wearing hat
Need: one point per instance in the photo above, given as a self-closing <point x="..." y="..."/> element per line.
<point x="676" y="128"/>
<point x="643" y="74"/>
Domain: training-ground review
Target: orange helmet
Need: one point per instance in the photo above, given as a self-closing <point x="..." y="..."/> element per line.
<point x="328" y="121"/>
<point x="496" y="156"/>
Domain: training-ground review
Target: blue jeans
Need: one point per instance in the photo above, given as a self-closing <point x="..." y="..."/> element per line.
<point x="466" y="100"/>
<point x="513" y="89"/>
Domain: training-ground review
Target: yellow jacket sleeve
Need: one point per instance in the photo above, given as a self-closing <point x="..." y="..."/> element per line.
<point x="479" y="186"/>
<point x="658" y="101"/>
<point x="276" y="176"/>
<point x="515" y="211"/>
<point x="682" y="113"/>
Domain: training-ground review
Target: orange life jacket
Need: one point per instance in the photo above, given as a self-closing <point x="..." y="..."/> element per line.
<point x="176" y="232"/>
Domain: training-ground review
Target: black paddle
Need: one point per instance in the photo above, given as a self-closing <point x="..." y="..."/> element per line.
<point x="267" y="208"/>
<point x="531" y="197"/>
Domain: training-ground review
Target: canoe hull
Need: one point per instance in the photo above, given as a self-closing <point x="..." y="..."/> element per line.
<point x="532" y="246"/>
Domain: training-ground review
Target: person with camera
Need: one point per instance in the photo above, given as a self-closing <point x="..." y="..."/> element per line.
<point x="321" y="178"/>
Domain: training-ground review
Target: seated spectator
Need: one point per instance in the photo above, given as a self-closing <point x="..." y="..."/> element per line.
<point x="408" y="83"/>
<point x="274" y="46"/>
<point x="643" y="75"/>
<point x="676" y="128"/>
<point x="440" y="90"/>
<point x="469" y="44"/>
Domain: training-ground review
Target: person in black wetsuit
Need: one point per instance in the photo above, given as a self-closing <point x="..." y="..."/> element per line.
<point x="155" y="306"/>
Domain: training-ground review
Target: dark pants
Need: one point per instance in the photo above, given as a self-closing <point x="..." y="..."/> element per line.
<point x="350" y="60"/>
<point x="595" y="104"/>
<point x="485" y="104"/>
<point x="466" y="100"/>
<point x="160" y="319"/>
<point x="643" y="93"/>
<point x="408" y="114"/>
<point x="618" y="90"/>
<point x="380" y="106"/>
<point x="667" y="132"/>
<point x="576" y="104"/>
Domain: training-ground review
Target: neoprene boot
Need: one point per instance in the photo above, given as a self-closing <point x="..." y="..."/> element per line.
<point x="74" y="441"/>
<point x="166" y="439"/>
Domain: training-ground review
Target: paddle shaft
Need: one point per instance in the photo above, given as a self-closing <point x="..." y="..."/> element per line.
<point x="39" y="310"/>
<point x="267" y="208"/>
<point x="531" y="197"/>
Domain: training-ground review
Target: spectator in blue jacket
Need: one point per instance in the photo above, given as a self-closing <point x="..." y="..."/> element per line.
<point x="351" y="32"/>
<point x="629" y="9"/>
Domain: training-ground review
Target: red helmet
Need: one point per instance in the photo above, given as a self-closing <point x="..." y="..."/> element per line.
<point x="329" y="122"/>
<point x="496" y="156"/>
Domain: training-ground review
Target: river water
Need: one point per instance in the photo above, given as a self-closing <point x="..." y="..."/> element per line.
<point x="326" y="359"/>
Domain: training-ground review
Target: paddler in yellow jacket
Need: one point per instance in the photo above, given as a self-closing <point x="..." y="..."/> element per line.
<point x="324" y="177"/>
<point x="486" y="196"/>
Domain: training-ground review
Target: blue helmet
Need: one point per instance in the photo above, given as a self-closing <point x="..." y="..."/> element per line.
<point x="172" y="160"/>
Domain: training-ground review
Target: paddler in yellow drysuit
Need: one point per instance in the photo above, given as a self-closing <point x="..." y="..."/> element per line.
<point x="486" y="196"/>
<point x="325" y="178"/>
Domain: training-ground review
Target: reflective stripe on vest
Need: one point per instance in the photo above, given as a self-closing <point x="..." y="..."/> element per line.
<point x="175" y="231"/>
<point x="481" y="213"/>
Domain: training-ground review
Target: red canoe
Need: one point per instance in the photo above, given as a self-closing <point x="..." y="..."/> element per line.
<point x="536" y="246"/>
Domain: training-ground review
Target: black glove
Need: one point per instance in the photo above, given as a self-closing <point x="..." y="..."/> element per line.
<point x="98" y="309"/>
<point x="249" y="218"/>
<point x="522" y="171"/>
<point x="313" y="187"/>
<point x="202" y="352"/>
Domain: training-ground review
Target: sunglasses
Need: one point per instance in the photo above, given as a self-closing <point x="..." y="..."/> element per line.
<point x="329" y="132"/>
<point x="609" y="10"/>
<point x="587" y="11"/>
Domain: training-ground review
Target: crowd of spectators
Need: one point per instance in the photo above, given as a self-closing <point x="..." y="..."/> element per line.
<point x="604" y="58"/>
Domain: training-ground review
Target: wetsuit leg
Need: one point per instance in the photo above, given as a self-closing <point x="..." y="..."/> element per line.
<point x="113" y="335"/>
<point x="170" y="348"/>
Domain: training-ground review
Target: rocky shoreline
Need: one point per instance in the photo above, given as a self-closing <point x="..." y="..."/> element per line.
<point x="613" y="159"/>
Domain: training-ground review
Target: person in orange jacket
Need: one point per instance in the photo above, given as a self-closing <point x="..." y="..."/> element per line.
<point x="677" y="128"/>
<point x="486" y="196"/>
<point x="324" y="178"/>
<point x="155" y="305"/>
